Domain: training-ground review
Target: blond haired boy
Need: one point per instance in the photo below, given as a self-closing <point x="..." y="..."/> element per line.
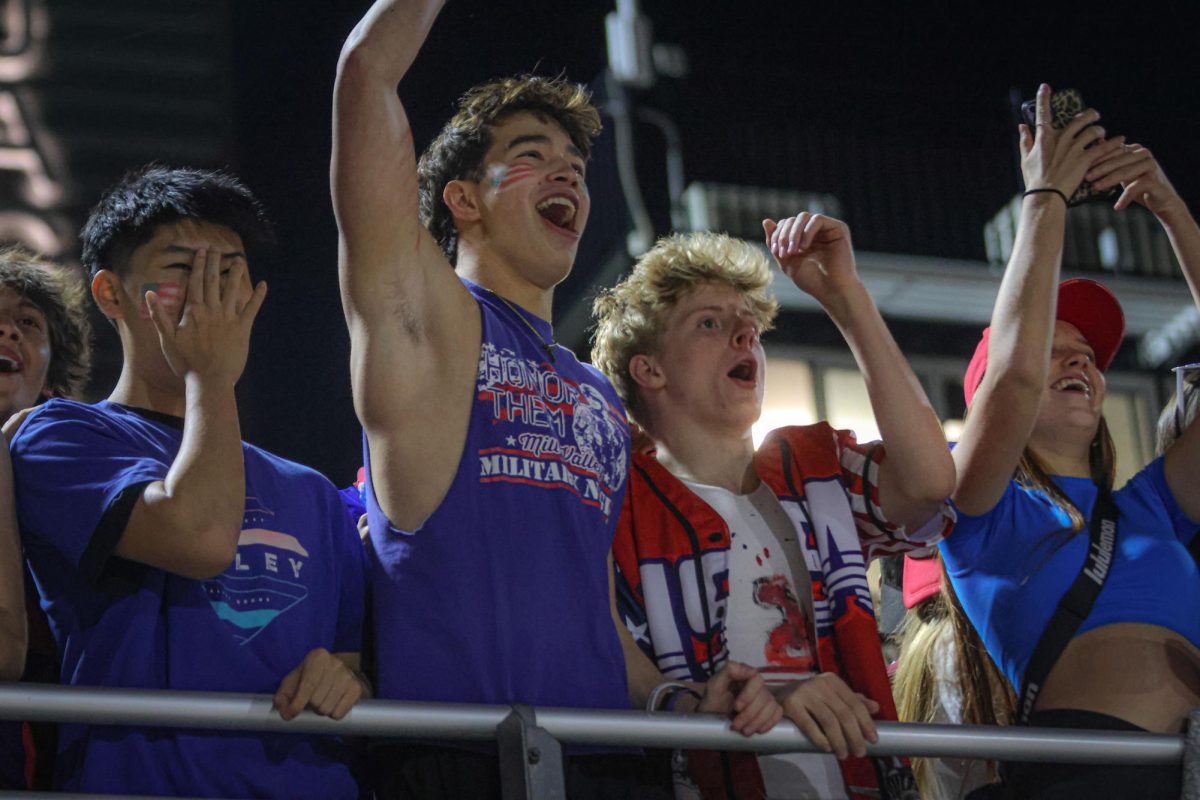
<point x="718" y="544"/>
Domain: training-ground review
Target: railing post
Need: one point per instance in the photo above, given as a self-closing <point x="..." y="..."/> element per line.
<point x="531" y="761"/>
<point x="1191" y="758"/>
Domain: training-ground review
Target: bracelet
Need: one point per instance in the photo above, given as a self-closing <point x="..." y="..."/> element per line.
<point x="671" y="691"/>
<point x="1028" y="192"/>
<point x="673" y="697"/>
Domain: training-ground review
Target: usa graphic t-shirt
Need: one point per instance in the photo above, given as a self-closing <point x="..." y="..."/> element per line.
<point x="770" y="622"/>
<point x="501" y="595"/>
<point x="297" y="583"/>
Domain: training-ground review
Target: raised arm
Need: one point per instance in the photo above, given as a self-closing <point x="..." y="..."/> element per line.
<point x="414" y="329"/>
<point x="189" y="522"/>
<point x="1005" y="405"/>
<point x="917" y="475"/>
<point x="374" y="171"/>
<point x="1135" y="169"/>
<point x="397" y="285"/>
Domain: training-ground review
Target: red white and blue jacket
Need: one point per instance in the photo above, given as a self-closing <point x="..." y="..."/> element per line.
<point x="672" y="556"/>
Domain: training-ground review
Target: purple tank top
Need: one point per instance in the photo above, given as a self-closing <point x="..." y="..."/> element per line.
<point x="501" y="596"/>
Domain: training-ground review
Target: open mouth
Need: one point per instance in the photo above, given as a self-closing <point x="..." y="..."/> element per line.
<point x="9" y="365"/>
<point x="559" y="211"/>
<point x="745" y="371"/>
<point x="1077" y="385"/>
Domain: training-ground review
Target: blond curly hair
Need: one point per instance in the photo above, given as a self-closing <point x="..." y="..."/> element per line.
<point x="630" y="317"/>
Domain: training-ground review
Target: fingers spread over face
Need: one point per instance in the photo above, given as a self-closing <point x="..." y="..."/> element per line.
<point x="254" y="304"/>
<point x="212" y="279"/>
<point x="233" y="302"/>
<point x="195" y="295"/>
<point x="158" y="316"/>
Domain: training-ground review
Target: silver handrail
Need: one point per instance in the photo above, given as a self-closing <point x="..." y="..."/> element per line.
<point x="451" y="721"/>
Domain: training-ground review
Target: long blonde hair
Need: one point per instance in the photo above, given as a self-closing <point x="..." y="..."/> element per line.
<point x="1102" y="460"/>
<point x="987" y="696"/>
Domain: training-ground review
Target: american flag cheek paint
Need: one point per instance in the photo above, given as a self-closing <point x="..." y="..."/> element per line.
<point x="170" y="295"/>
<point x="504" y="178"/>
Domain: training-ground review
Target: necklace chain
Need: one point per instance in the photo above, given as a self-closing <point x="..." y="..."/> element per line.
<point x="549" y="346"/>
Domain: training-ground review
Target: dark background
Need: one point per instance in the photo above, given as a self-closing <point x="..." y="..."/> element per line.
<point x="904" y="114"/>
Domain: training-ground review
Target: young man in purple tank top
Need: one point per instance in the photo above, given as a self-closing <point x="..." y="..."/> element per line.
<point x="496" y="462"/>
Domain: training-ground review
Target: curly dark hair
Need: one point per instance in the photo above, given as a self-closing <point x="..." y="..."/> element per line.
<point x="60" y="295"/>
<point x="129" y="214"/>
<point x="457" y="152"/>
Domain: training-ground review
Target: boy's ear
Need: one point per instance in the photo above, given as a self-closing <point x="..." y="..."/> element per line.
<point x="646" y="372"/>
<point x="109" y="295"/>
<point x="462" y="200"/>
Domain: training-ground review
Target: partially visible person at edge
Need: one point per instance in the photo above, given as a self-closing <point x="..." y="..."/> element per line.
<point x="1034" y="458"/>
<point x="168" y="553"/>
<point x="780" y="537"/>
<point x="1175" y="418"/>
<point x="45" y="351"/>
<point x="945" y="676"/>
<point x="496" y="462"/>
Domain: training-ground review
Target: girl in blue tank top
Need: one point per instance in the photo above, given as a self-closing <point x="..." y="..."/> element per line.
<point x="1036" y="454"/>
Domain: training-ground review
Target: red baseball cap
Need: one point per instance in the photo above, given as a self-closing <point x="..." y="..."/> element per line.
<point x="922" y="579"/>
<point x="1087" y="305"/>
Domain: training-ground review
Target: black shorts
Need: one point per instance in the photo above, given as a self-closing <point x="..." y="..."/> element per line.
<point x="1052" y="781"/>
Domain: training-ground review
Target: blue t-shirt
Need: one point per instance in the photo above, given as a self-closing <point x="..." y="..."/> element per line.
<point x="501" y="595"/>
<point x="1010" y="577"/>
<point x="297" y="583"/>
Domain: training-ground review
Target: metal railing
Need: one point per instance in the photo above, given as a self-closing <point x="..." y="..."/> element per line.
<point x="530" y="739"/>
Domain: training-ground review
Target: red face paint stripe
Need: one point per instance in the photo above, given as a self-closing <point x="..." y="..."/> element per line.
<point x="513" y="174"/>
<point x="170" y="292"/>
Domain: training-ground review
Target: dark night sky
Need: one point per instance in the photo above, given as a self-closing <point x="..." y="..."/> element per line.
<point x="905" y="83"/>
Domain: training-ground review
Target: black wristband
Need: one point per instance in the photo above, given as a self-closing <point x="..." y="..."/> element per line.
<point x="1028" y="192"/>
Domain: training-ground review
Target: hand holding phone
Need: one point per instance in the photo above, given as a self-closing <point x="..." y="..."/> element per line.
<point x="1065" y="105"/>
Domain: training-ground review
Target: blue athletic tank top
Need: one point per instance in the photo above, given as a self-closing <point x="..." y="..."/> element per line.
<point x="501" y="596"/>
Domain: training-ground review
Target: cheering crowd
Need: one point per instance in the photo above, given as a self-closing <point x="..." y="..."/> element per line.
<point x="544" y="531"/>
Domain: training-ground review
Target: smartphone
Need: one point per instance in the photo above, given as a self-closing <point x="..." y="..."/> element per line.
<point x="1065" y="105"/>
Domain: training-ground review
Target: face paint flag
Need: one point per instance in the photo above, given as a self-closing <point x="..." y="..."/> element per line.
<point x="512" y="175"/>
<point x="170" y="294"/>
